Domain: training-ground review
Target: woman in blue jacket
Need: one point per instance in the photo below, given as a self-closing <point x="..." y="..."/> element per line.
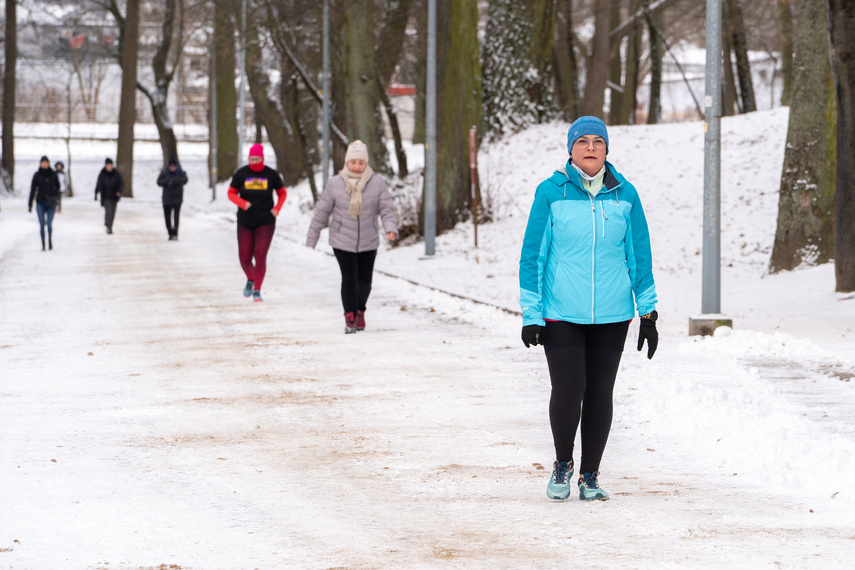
<point x="585" y="267"/>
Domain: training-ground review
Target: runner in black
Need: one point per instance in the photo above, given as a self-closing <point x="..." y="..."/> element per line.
<point x="252" y="188"/>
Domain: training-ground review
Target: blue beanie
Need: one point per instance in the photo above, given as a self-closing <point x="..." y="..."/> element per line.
<point x="586" y="125"/>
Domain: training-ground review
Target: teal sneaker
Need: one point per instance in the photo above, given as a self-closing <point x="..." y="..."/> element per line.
<point x="256" y="296"/>
<point x="559" y="483"/>
<point x="247" y="291"/>
<point x="589" y="489"/>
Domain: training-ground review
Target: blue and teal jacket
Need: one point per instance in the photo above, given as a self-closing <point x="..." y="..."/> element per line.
<point x="585" y="259"/>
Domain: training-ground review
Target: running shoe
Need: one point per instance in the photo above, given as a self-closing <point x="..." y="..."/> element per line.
<point x="256" y="296"/>
<point x="360" y="320"/>
<point x="247" y="291"/>
<point x="559" y="483"/>
<point x="589" y="489"/>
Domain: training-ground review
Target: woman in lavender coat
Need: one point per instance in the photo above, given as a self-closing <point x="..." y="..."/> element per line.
<point x="354" y="199"/>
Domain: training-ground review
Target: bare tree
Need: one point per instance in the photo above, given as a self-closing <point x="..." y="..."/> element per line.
<point x="633" y="64"/>
<point x="388" y="44"/>
<point x="225" y="60"/>
<point x="11" y="64"/>
<point x="128" y="50"/>
<point x="564" y="56"/>
<point x="597" y="74"/>
<point x="363" y="118"/>
<point x="458" y="106"/>
<point x="739" y="45"/>
<point x="805" y="232"/>
<point x="171" y="44"/>
<point x="841" y="29"/>
<point x="785" y="25"/>
<point x="655" y="23"/>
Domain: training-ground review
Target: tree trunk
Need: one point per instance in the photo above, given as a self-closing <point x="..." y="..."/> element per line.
<point x="630" y="88"/>
<point x="309" y="150"/>
<point x="11" y="65"/>
<point x="517" y="64"/>
<point x="130" y="35"/>
<point x="280" y="131"/>
<point x="740" y="50"/>
<point x="387" y="52"/>
<point x="730" y="99"/>
<point x="805" y="233"/>
<point x="339" y="79"/>
<point x="420" y="69"/>
<point x="400" y="155"/>
<point x="657" y="49"/>
<point x="362" y="98"/>
<point x="598" y="65"/>
<point x="224" y="46"/>
<point x="785" y="33"/>
<point x="458" y="92"/>
<point x="841" y="30"/>
<point x="564" y="56"/>
<point x="615" y="68"/>
<point x="159" y="95"/>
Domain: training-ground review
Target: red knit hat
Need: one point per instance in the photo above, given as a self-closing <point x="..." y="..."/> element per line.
<point x="257" y="150"/>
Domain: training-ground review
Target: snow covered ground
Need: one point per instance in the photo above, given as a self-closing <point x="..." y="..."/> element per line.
<point x="150" y="415"/>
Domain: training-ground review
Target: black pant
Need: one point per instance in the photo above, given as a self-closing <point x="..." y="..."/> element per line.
<point x="176" y="212"/>
<point x="583" y="363"/>
<point x="356" y="272"/>
<point x="109" y="212"/>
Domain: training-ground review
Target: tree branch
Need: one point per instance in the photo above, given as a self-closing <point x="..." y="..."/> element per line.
<point x="284" y="49"/>
<point x="626" y="26"/>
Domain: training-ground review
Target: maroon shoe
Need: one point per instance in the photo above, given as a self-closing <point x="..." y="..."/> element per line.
<point x="360" y="320"/>
<point x="349" y="323"/>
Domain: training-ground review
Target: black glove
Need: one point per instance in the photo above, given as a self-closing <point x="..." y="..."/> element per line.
<point x="647" y="330"/>
<point x="533" y="335"/>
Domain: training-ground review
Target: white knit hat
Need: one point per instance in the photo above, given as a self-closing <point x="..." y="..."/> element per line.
<point x="356" y="150"/>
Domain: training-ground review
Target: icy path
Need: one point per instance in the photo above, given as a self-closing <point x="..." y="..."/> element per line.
<point x="149" y="415"/>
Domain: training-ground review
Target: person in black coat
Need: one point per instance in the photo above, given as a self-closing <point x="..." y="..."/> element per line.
<point x="110" y="186"/>
<point x="172" y="179"/>
<point x="45" y="190"/>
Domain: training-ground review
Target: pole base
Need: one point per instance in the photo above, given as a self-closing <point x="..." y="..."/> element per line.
<point x="705" y="325"/>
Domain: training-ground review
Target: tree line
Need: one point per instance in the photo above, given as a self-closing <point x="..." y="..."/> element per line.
<point x="503" y="65"/>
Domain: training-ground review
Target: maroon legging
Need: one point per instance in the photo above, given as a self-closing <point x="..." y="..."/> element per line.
<point x="254" y="243"/>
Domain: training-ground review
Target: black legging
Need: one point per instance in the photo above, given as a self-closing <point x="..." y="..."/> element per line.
<point x="171" y="213"/>
<point x="583" y="363"/>
<point x="356" y="273"/>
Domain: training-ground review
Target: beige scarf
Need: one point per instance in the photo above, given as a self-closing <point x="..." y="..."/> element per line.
<point x="355" y="184"/>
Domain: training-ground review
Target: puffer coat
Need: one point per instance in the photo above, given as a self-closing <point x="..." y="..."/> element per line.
<point x="346" y="232"/>
<point x="173" y="186"/>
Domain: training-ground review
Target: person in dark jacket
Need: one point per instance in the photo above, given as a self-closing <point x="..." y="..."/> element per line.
<point x="252" y="189"/>
<point x="110" y="186"/>
<point x="172" y="179"/>
<point x="354" y="199"/>
<point x="45" y="190"/>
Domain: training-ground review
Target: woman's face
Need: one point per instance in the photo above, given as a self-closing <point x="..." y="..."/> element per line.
<point x="357" y="165"/>
<point x="589" y="154"/>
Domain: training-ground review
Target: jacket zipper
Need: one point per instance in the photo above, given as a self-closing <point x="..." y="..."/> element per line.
<point x="593" y="250"/>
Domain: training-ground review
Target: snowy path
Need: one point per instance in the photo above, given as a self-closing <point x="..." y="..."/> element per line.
<point x="151" y="415"/>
